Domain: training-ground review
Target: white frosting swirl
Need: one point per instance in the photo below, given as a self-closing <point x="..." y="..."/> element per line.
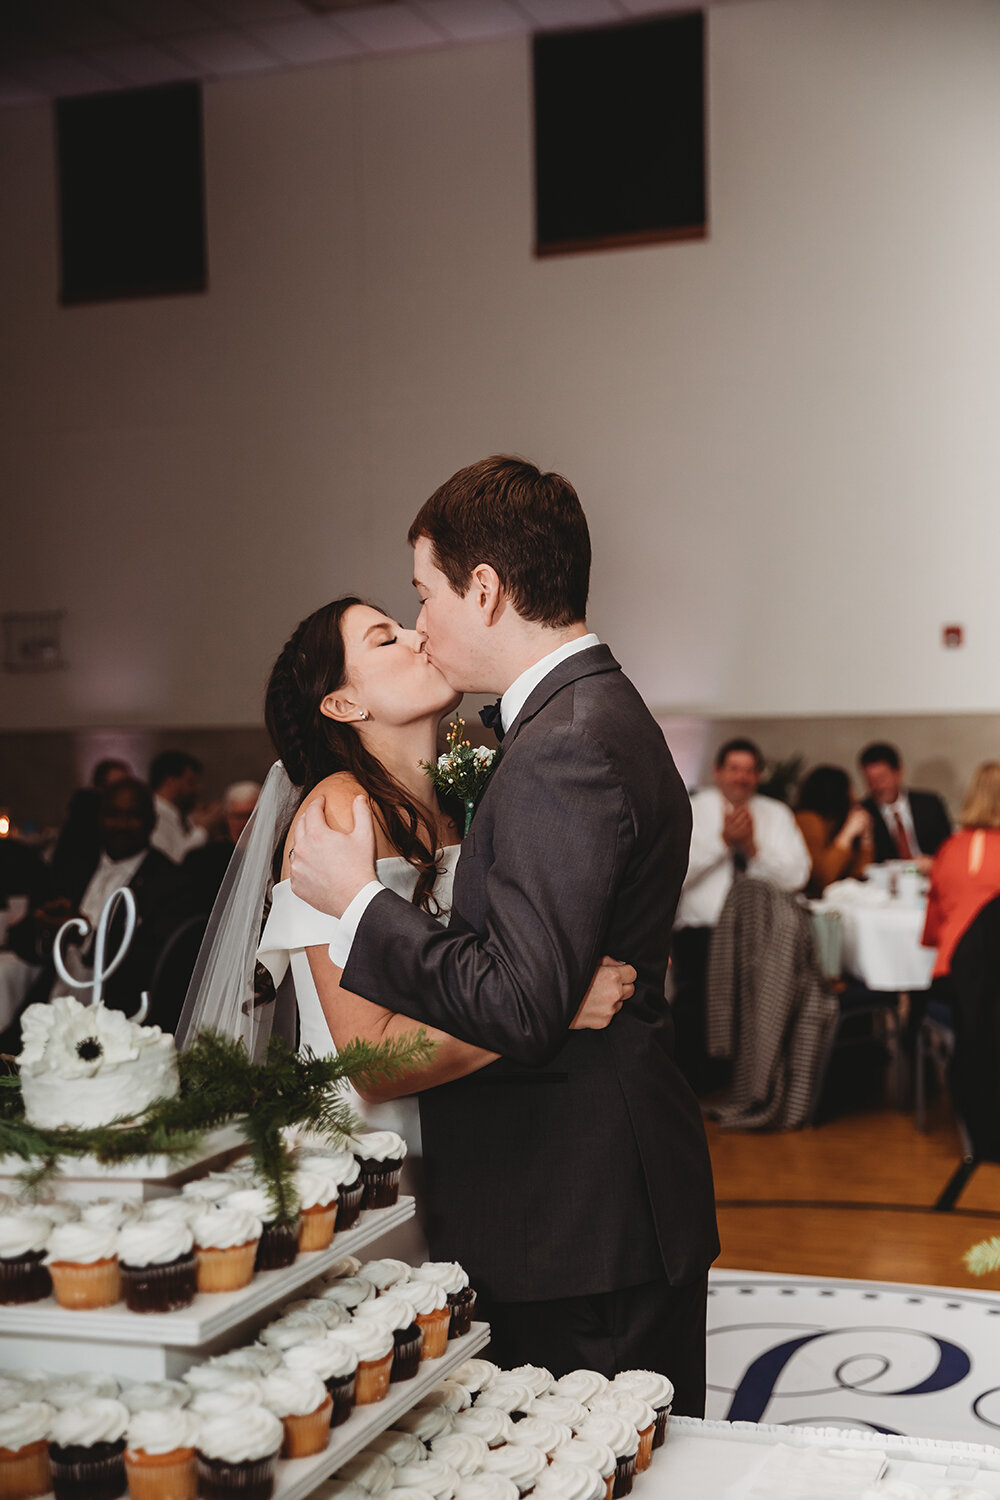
<point x="315" y="1188"/>
<point x="155" y="1395"/>
<point x="372" y="1471"/>
<point x="582" y="1385"/>
<point x="14" y="1391"/>
<point x="401" y="1447"/>
<point x="539" y="1379"/>
<point x="348" y="1291"/>
<point x="571" y="1482"/>
<point x="559" y="1409"/>
<point x="447" y="1393"/>
<point x="99" y="1420"/>
<point x="539" y="1433"/>
<point x="237" y="1395"/>
<point x="426" y="1422"/>
<point x="70" y="1390"/>
<point x="23" y="1234"/>
<point x="81" y="1244"/>
<point x="58" y="1213"/>
<point x="172" y="1207"/>
<point x="112" y="1212"/>
<point x="342" y="1166"/>
<point x="447" y="1273"/>
<point x="379" y="1145"/>
<point x="463" y="1451"/>
<point x="426" y="1297"/>
<point x="296" y="1328"/>
<point x="293" y="1393"/>
<point x="212" y="1377"/>
<point x="163" y="1431"/>
<point x="517" y="1461"/>
<point x="329" y="1358"/>
<point x="408" y="1492"/>
<point x="155" y="1244"/>
<point x="28" y="1422"/>
<point x="391" y="1311"/>
<point x="639" y="1413"/>
<point x="214" y="1187"/>
<point x="222" y="1228"/>
<point x="591" y="1455"/>
<point x="329" y="1313"/>
<point x="347" y="1265"/>
<point x="371" y="1341"/>
<point x="385" y="1273"/>
<point x="648" y="1385"/>
<point x="486" y="1487"/>
<point x="612" y="1429"/>
<point x="433" y="1475"/>
<point x="494" y="1427"/>
<point x="252" y="1359"/>
<point x="506" y="1395"/>
<point x="252" y="1200"/>
<point x="241" y="1437"/>
<point x="475" y="1374"/>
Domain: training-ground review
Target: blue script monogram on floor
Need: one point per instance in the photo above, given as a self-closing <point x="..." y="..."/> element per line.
<point x="923" y="1361"/>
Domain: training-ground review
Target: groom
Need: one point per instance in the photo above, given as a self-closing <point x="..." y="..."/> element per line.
<point x="571" y="1178"/>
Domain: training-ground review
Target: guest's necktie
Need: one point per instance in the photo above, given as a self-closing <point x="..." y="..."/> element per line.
<point x="740" y="862"/>
<point x="903" y="848"/>
<point x="490" y="716"/>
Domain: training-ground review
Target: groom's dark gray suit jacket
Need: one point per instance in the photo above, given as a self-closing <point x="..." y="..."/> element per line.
<point x="578" y="1163"/>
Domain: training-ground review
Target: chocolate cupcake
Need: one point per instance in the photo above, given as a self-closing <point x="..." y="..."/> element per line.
<point x="398" y="1316"/>
<point x="639" y="1413"/>
<point x="279" y="1243"/>
<point x="380" y="1155"/>
<point x="237" y="1455"/>
<point x="346" y="1171"/>
<point x="157" y="1265"/>
<point x="86" y="1450"/>
<point x="24" y="1450"/>
<point x="612" y="1429"/>
<point x="336" y="1364"/>
<point x="23" y="1276"/>
<point x="461" y="1297"/>
<point x="653" y="1387"/>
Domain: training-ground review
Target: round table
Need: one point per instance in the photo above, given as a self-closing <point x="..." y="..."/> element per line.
<point x="881" y="940"/>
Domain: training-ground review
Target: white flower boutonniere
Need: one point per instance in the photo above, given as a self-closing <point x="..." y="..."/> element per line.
<point x="463" y="770"/>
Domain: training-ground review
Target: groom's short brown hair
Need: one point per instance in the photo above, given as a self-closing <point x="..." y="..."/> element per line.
<point x="527" y="525"/>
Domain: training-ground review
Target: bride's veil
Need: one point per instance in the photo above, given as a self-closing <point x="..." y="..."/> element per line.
<point x="220" y="996"/>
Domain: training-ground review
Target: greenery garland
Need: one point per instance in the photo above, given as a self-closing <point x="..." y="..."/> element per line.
<point x="220" y="1085"/>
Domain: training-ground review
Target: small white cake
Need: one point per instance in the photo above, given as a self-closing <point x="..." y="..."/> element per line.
<point x="84" y="1065"/>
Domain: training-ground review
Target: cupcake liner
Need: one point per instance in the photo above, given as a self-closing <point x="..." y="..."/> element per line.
<point x="349" y="1203"/>
<point x="407" y="1344"/>
<point x="304" y="1435"/>
<point x="371" y="1383"/>
<point x="95" y="1285"/>
<point x="624" y="1475"/>
<point x="644" y="1457"/>
<point x="381" y="1183"/>
<point x="342" y="1393"/>
<point x="24" y="1278"/>
<point x="278" y="1247"/>
<point x="225" y="1270"/>
<point x="82" y="1473"/>
<point x="24" y="1472"/>
<point x="435" y="1326"/>
<point x="609" y="1491"/>
<point x="660" y="1430"/>
<point x="161" y="1476"/>
<point x="462" y="1305"/>
<point x="160" y="1289"/>
<point x="316" y="1227"/>
<point x="219" y="1480"/>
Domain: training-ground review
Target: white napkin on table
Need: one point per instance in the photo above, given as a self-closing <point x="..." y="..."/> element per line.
<point x="819" y="1473"/>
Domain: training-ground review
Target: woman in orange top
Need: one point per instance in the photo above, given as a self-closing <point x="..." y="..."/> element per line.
<point x="837" y="832"/>
<point x="965" y="874"/>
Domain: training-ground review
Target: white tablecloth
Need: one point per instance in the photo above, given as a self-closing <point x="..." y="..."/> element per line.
<point x="15" y="981"/>
<point x="881" y="939"/>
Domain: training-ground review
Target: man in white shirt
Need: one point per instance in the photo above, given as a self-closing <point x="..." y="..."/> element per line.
<point x="175" y="779"/>
<point x="735" y="832"/>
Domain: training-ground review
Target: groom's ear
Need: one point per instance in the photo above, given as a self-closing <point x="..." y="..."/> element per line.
<point x="336" y="706"/>
<point x="488" y="592"/>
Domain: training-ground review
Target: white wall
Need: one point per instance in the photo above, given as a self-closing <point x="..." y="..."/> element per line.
<point x="785" y="436"/>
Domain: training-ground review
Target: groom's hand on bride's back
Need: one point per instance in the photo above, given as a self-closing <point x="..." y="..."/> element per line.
<point x="333" y="854"/>
<point x="613" y="983"/>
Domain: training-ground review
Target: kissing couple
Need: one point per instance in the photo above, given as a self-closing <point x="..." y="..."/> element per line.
<point x="566" y="1166"/>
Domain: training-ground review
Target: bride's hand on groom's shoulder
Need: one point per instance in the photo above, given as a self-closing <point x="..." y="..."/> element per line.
<point x="613" y="983"/>
<point x="328" y="866"/>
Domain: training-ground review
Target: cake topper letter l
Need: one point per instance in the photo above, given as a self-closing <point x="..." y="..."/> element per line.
<point x="81" y="926"/>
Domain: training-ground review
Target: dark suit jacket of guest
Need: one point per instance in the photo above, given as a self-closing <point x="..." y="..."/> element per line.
<point x="931" y="824"/>
<point x="577" y="1163"/>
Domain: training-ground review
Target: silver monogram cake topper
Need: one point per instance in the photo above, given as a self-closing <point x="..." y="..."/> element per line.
<point x="82" y="927"/>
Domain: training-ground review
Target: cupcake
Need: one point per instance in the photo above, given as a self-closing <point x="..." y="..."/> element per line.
<point x="516" y="1461"/>
<point x="639" y="1413"/>
<point x="346" y="1171"/>
<point x="611" y="1428"/>
<point x="372" y="1472"/>
<point x="112" y="1213"/>
<point x="214" y="1187"/>
<point x="252" y="1359"/>
<point x="173" y="1207"/>
<point x="385" y="1275"/>
<point x="379" y="1154"/>
<point x="83" y="1265"/>
<point x="432" y="1474"/>
<point x="160" y="1455"/>
<point x="494" y="1427"/>
<point x="429" y="1301"/>
<point x="57" y="1213"/>
<point x="238" y="1394"/>
<point x="225" y="1243"/>
<point x="329" y="1313"/>
<point x="237" y="1454"/>
<point x="155" y="1395"/>
<point x="507" y="1396"/>
<point x="336" y="1364"/>
<point x="279" y="1243"/>
<point x="449" y="1393"/>
<point x="426" y="1422"/>
<point x="559" y="1409"/>
<point x="461" y="1297"/>
<point x="24" y="1450"/>
<point x="296" y="1328"/>
<point x="317" y="1194"/>
<point x="590" y="1455"/>
<point x="401" y="1447"/>
<point x="348" y="1265"/>
<point x="397" y="1315"/>
<point x="582" y="1385"/>
<point x="305" y="1407"/>
<point x="86" y="1450"/>
<point x="347" y="1292"/>
<point x="23" y="1276"/>
<point x="565" y="1481"/>
<point x="475" y="1374"/>
<point x="649" y="1386"/>
<point x="69" y="1390"/>
<point x="486" y="1487"/>
<point x="461" y="1451"/>
<point x="539" y="1433"/>
<point x="536" y="1376"/>
<point x="374" y="1346"/>
<point x="13" y="1391"/>
<point x="157" y="1265"/>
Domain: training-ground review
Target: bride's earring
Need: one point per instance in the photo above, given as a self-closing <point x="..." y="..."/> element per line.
<point x="363" y="713"/>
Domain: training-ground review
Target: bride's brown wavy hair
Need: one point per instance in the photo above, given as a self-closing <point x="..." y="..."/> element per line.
<point x="313" y="663"/>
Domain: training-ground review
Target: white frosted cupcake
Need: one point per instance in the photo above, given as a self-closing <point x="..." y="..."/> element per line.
<point x="539" y="1433"/>
<point x="639" y="1413"/>
<point x="400" y="1447"/>
<point x="238" y="1394"/>
<point x="160" y="1455"/>
<point x="374" y="1346"/>
<point x="432" y="1474"/>
<point x="346" y="1172"/>
<point x="385" y="1275"/>
<point x="582" y="1385"/>
<point x="24" y="1450"/>
<point x="506" y="1395"/>
<point x="494" y="1427"/>
<point x="611" y="1429"/>
<point x="157" y="1265"/>
<point x="517" y="1461"/>
<point x="476" y="1375"/>
<point x="332" y="1316"/>
<point x="62" y="1391"/>
<point x="56" y="1213"/>
<point x="590" y="1455"/>
<point x="83" y="1264"/>
<point x="371" y="1471"/>
<point x="173" y="1206"/>
<point x="213" y="1188"/>
<point x="294" y="1328"/>
<point x="347" y="1292"/>
<point x="397" y="1315"/>
<point x="461" y="1451"/>
<point x="426" y="1422"/>
<point x="486" y="1487"/>
<point x="237" y="1454"/>
<point x="112" y="1213"/>
<point x="13" y="1391"/>
<point x="559" y="1409"/>
<point x="86" y="1449"/>
<point x="380" y="1155"/>
<point x="305" y="1407"/>
<point x="430" y="1307"/>
<point x="251" y="1359"/>
<point x="653" y="1387"/>
<point x="225" y="1243"/>
<point x="336" y="1364"/>
<point x="536" y="1376"/>
<point x="564" y="1481"/>
<point x="461" y="1297"/>
<point x="155" y="1395"/>
<point x="279" y="1243"/>
<point x="449" y="1393"/>
<point x="348" y="1265"/>
<point x="23" y="1241"/>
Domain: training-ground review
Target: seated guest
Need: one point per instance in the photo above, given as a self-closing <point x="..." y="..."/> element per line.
<point x="906" y="823"/>
<point x="205" y="868"/>
<point x="175" y="778"/>
<point x="78" y="843"/>
<point x="735" y="832"/>
<point x="837" y="832"/>
<point x="965" y="875"/>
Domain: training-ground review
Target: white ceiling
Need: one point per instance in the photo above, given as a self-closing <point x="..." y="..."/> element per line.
<point x="53" y="48"/>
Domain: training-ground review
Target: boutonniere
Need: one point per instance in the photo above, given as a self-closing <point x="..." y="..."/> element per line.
<point x="463" y="769"/>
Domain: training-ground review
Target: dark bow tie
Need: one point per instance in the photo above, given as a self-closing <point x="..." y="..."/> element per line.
<point x="490" y="716"/>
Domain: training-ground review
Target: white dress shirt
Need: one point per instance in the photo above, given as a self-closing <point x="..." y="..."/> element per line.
<point x="511" y="704"/>
<point x="781" y="858"/>
<point x="901" y="806"/>
<point x="170" y="835"/>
